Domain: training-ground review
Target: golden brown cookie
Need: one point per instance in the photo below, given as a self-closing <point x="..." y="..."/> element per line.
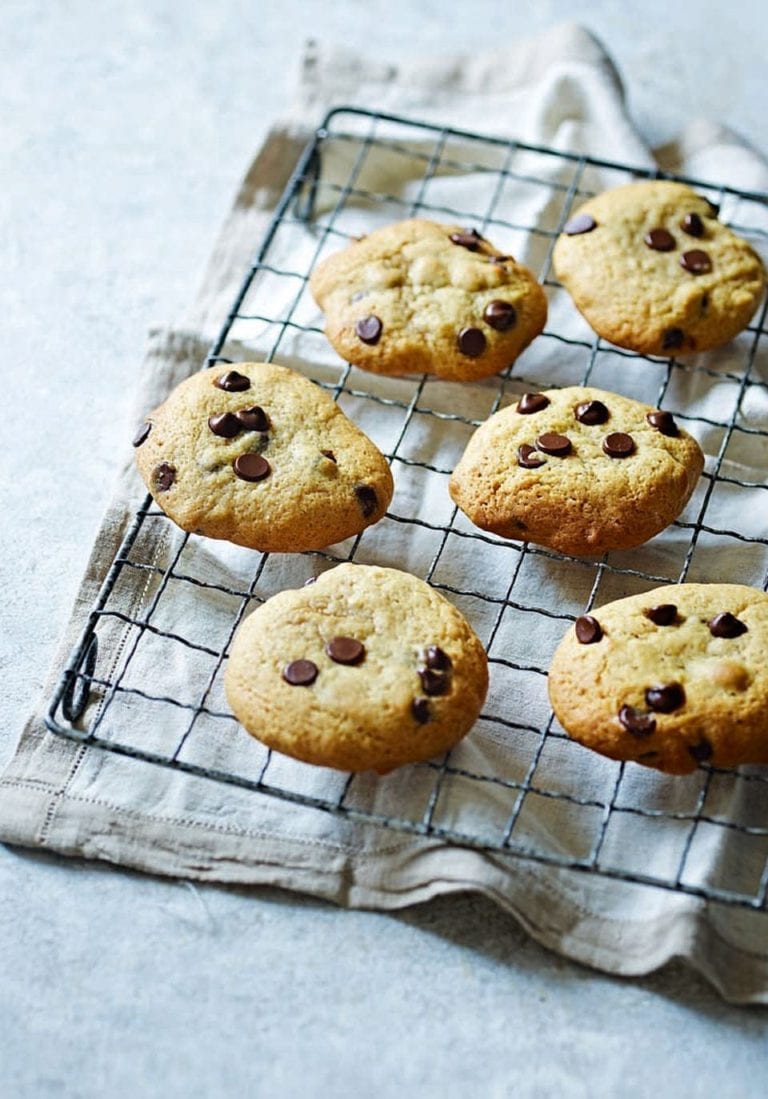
<point x="365" y="668"/>
<point x="578" y="469"/>
<point x="670" y="678"/>
<point x="653" y="270"/>
<point x="420" y="297"/>
<point x="259" y="455"/>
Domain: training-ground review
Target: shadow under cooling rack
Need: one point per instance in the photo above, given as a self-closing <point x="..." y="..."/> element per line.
<point x="146" y="677"/>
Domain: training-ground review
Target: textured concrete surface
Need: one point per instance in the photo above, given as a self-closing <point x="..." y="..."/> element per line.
<point x="124" y="129"/>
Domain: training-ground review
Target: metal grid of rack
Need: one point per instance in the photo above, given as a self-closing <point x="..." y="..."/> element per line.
<point x="519" y="796"/>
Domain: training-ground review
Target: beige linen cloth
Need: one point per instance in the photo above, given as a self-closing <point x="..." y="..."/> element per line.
<point x="560" y="90"/>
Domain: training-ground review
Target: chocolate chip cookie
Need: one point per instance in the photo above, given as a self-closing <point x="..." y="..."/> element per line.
<point x="652" y="269"/>
<point x="259" y="455"/>
<point x="367" y="668"/>
<point x="578" y="469"/>
<point x="420" y="297"/>
<point x="670" y="678"/>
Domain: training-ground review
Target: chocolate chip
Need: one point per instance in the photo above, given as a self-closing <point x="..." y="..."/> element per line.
<point x="714" y="209"/>
<point x="663" y="422"/>
<point x="726" y="625"/>
<point x="226" y="425"/>
<point x="528" y="458"/>
<point x="142" y="434"/>
<point x="637" y="723"/>
<point x="467" y="238"/>
<point x="437" y="659"/>
<point x="665" y="699"/>
<point x="232" y="382"/>
<point x="253" y="419"/>
<point x="164" y="475"/>
<point x="660" y="240"/>
<point x="581" y="223"/>
<point x="552" y="443"/>
<point x="696" y="262"/>
<point x="420" y="710"/>
<point x="367" y="499"/>
<point x="702" y="751"/>
<point x="672" y="339"/>
<point x="471" y="342"/>
<point x="588" y="630"/>
<point x="692" y="225"/>
<point x="618" y="445"/>
<point x="345" y="650"/>
<point x="592" y="412"/>
<point x="435" y="671"/>
<point x="499" y="259"/>
<point x="329" y="455"/>
<point x="500" y="315"/>
<point x="300" y="673"/>
<point x="532" y="402"/>
<point x="368" y="329"/>
<point x="663" y="615"/>
<point x="434" y="682"/>
<point x="251" y="467"/>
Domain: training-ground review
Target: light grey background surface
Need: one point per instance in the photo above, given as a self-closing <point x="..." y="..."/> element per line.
<point x="124" y="129"/>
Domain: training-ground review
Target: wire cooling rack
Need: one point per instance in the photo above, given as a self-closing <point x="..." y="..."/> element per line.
<point x="531" y="792"/>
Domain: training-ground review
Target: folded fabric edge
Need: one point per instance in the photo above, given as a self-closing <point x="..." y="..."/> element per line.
<point x="426" y="869"/>
<point x="567" y="65"/>
<point x="174" y="349"/>
<point x="254" y="205"/>
<point x="326" y="67"/>
<point x="702" y="136"/>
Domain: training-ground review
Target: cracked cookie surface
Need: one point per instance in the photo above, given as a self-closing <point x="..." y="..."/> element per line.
<point x="421" y="297"/>
<point x="670" y="678"/>
<point x="652" y="269"/>
<point x="579" y="470"/>
<point x="366" y="668"/>
<point x="258" y="455"/>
